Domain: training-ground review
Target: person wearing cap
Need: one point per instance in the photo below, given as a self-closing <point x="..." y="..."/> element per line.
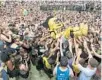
<point x="62" y="71"/>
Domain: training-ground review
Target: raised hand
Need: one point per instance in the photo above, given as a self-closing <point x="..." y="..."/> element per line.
<point x="85" y="44"/>
<point x="79" y="52"/>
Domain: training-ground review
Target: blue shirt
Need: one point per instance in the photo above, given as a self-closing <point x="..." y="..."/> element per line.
<point x="62" y="75"/>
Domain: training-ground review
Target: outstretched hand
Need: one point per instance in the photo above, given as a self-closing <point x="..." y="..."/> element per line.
<point x="85" y="44"/>
<point x="79" y="52"/>
<point x="92" y="46"/>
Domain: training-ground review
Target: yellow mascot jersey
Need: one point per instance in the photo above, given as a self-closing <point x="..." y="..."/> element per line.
<point x="77" y="31"/>
<point x="66" y="33"/>
<point x="53" y="26"/>
<point x="50" y="23"/>
<point x="76" y="28"/>
<point x="84" y="28"/>
<point x="53" y="35"/>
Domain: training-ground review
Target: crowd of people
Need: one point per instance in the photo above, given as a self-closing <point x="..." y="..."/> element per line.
<point x="24" y="40"/>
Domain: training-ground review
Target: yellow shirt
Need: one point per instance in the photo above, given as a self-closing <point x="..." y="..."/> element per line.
<point x="77" y="33"/>
<point x="75" y="68"/>
<point x="46" y="63"/>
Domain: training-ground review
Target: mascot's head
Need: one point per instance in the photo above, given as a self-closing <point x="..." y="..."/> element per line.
<point x="55" y="23"/>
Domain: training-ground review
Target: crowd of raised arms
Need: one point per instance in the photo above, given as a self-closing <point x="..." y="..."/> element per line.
<point x="24" y="41"/>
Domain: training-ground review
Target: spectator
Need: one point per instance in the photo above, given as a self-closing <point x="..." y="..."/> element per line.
<point x="89" y="71"/>
<point x="61" y="71"/>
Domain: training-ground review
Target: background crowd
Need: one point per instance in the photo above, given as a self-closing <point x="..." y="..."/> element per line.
<point x="23" y="39"/>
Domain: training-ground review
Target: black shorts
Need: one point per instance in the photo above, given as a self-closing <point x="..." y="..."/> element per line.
<point x="49" y="72"/>
<point x="13" y="73"/>
<point x="25" y="75"/>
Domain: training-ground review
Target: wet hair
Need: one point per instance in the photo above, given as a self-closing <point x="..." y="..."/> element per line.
<point x="51" y="61"/>
<point x="93" y="62"/>
<point x="84" y="55"/>
<point x="64" y="61"/>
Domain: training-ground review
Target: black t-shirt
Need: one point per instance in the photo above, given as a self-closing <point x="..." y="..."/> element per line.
<point x="40" y="49"/>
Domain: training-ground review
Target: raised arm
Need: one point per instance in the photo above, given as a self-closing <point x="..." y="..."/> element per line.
<point x="9" y="39"/>
<point x="78" y="56"/>
<point x="61" y="50"/>
<point x="86" y="47"/>
<point x="76" y="46"/>
<point x="93" y="50"/>
<point x="70" y="45"/>
<point x="26" y="64"/>
<point x="57" y="59"/>
<point x="57" y="63"/>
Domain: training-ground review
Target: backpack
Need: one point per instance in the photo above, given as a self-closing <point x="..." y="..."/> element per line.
<point x="62" y="75"/>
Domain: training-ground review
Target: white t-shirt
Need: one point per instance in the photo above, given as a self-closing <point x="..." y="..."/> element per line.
<point x="86" y="73"/>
